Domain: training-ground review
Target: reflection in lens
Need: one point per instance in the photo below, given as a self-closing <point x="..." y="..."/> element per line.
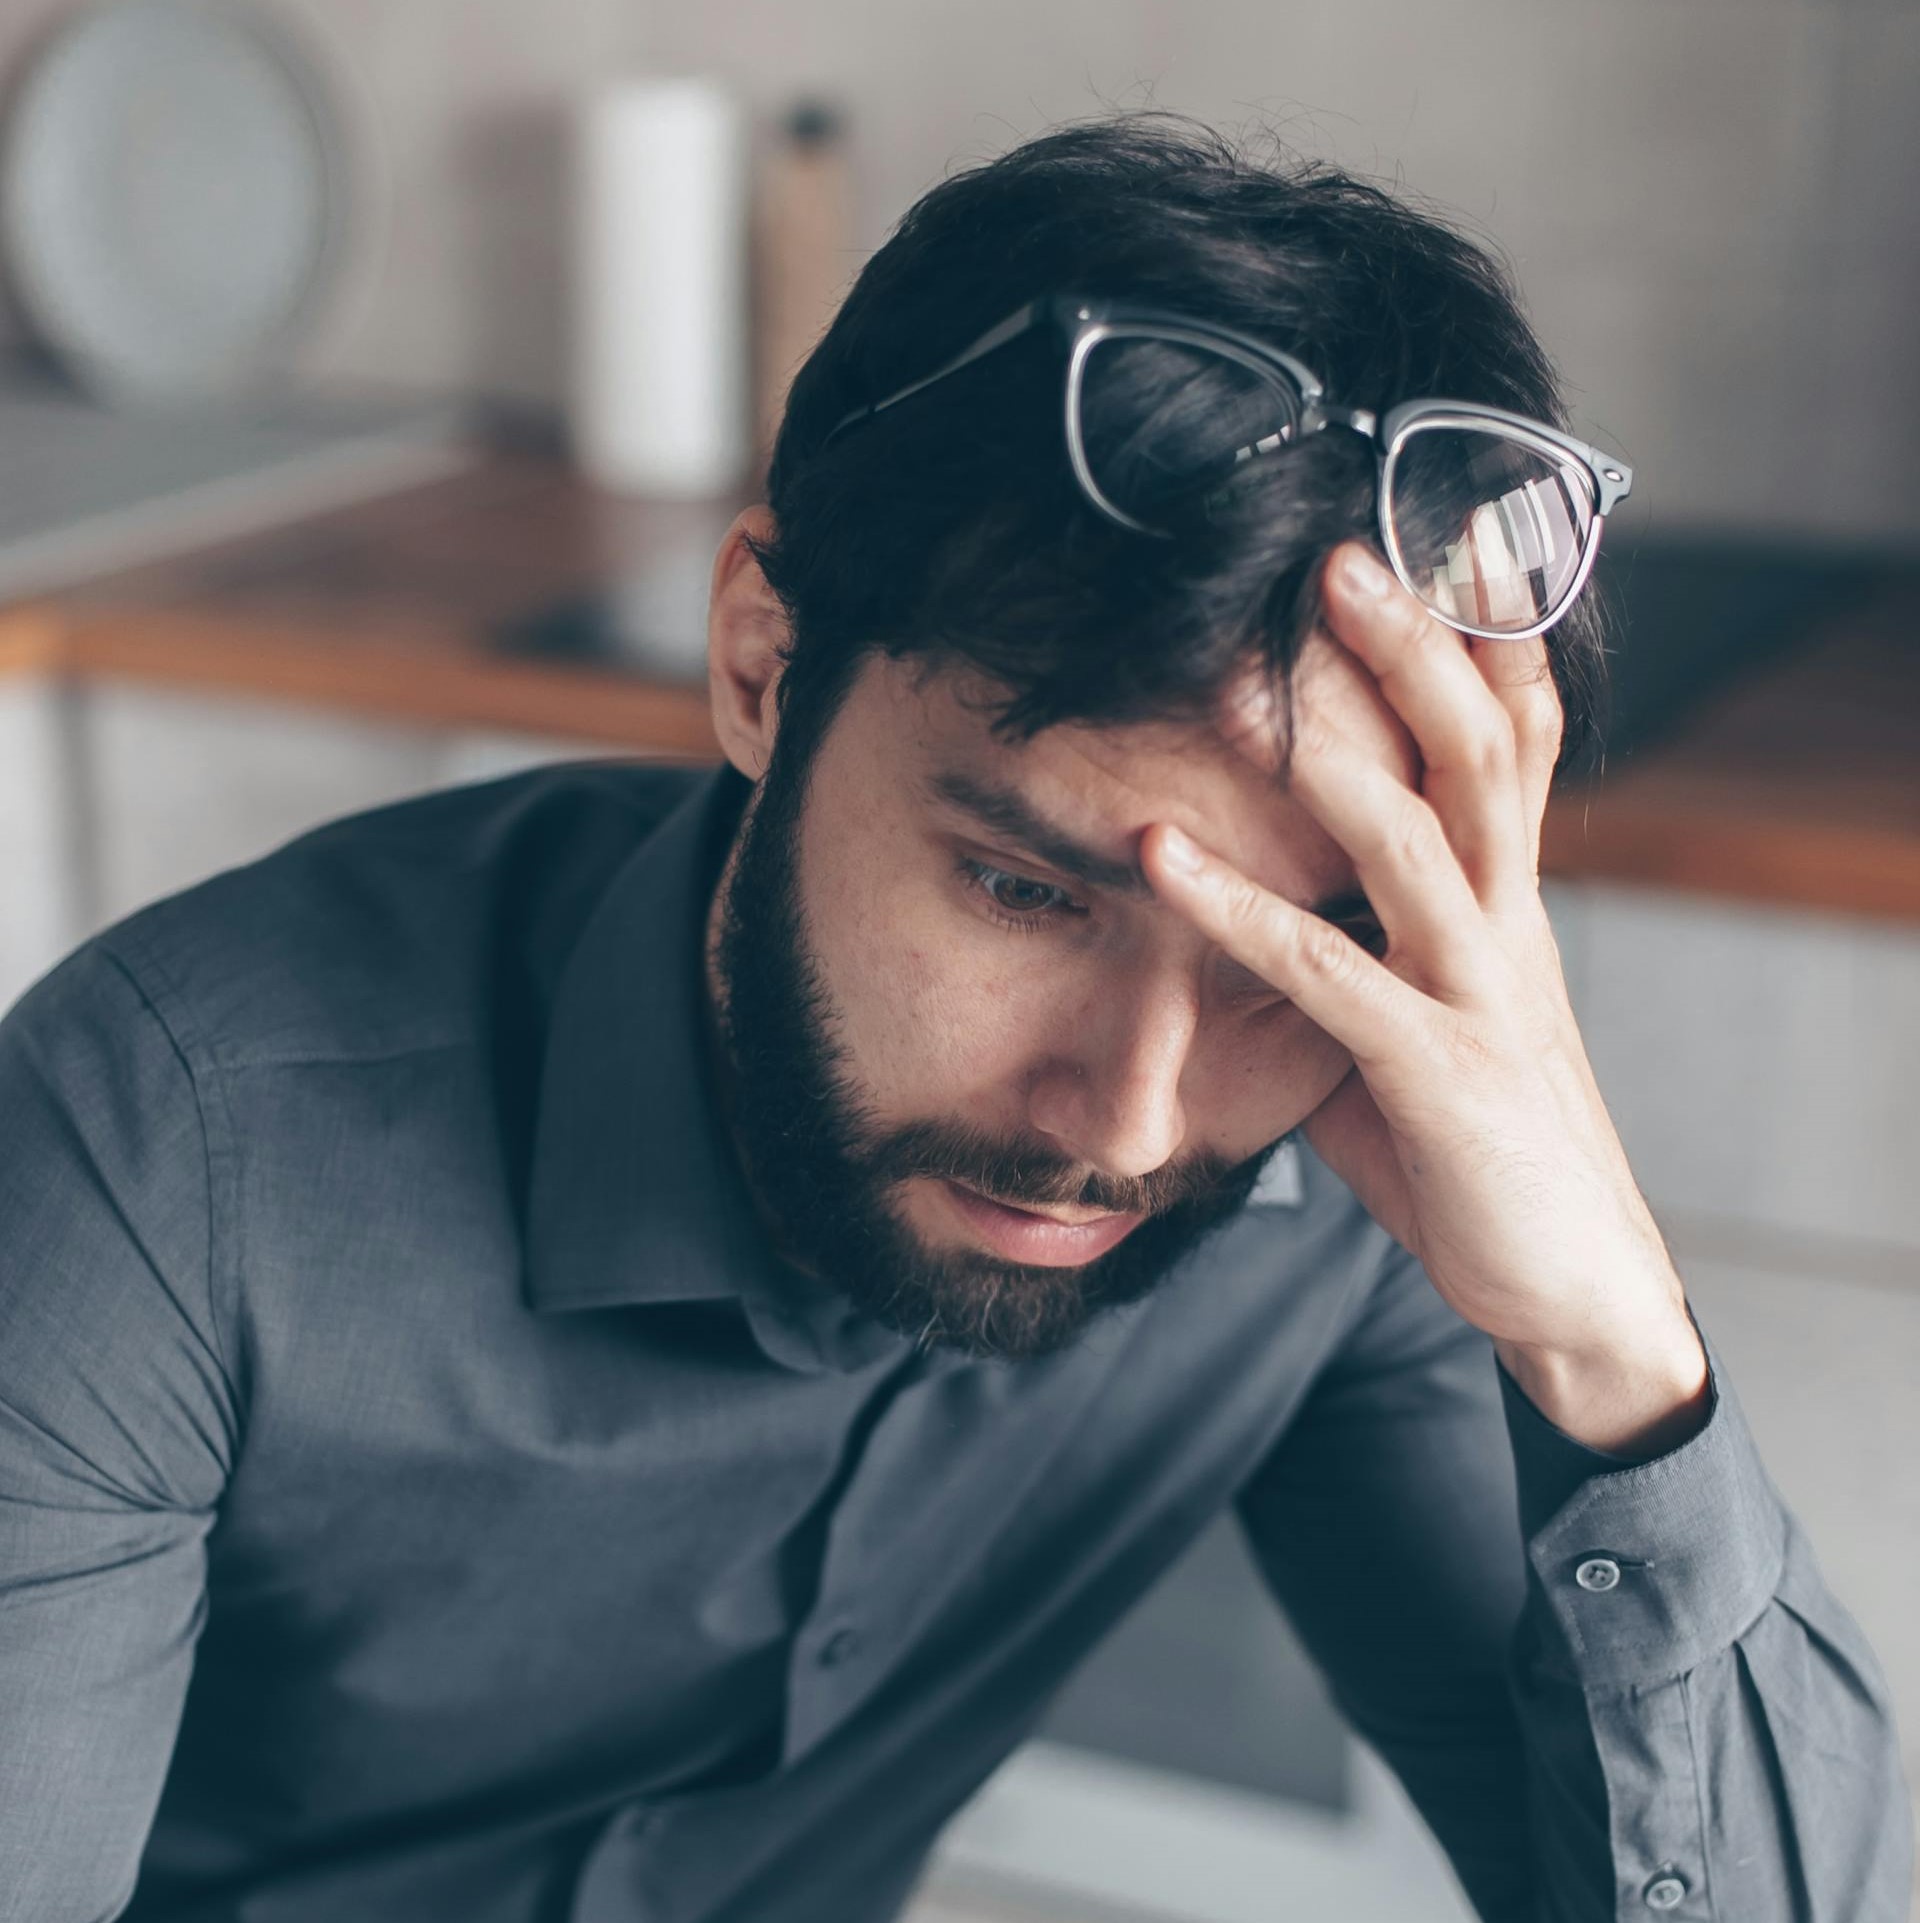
<point x="1490" y="531"/>
<point x="1163" y="423"/>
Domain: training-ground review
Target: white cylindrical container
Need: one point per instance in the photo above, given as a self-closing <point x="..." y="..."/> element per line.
<point x="659" y="386"/>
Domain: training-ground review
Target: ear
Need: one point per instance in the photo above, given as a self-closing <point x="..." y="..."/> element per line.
<point x="746" y="631"/>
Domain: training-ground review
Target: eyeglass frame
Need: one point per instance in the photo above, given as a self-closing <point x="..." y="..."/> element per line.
<point x="1087" y="322"/>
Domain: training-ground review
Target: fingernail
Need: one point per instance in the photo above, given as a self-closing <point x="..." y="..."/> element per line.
<point x="1179" y="853"/>
<point x="1365" y="576"/>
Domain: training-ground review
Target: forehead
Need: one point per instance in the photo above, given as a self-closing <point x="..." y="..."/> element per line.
<point x="1102" y="785"/>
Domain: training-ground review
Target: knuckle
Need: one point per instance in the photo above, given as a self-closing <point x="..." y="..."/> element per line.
<point x="1415" y="838"/>
<point x="1491" y="749"/>
<point x="1242" y="906"/>
<point x="1326" y="950"/>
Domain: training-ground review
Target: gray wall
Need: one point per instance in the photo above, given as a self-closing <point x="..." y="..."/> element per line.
<point x="1709" y="202"/>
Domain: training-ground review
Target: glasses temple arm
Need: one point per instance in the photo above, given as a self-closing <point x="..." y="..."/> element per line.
<point x="1011" y="328"/>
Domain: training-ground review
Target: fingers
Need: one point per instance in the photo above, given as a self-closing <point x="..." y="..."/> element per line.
<point x="1334" y="982"/>
<point x="1475" y="739"/>
<point x="1399" y="847"/>
<point x="1522" y="682"/>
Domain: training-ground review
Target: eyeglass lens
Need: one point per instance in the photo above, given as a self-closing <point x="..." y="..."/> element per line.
<point x="1491" y="531"/>
<point x="1160" y="421"/>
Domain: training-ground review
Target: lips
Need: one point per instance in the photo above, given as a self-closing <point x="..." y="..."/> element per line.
<point x="1026" y="1235"/>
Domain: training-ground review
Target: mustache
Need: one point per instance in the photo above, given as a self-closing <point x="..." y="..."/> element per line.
<point x="1025" y="1175"/>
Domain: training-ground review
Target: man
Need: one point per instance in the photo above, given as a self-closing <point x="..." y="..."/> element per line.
<point x="597" y="1346"/>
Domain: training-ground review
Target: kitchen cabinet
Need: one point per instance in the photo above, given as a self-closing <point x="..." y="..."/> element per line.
<point x="1762" y="1065"/>
<point x="177" y="785"/>
<point x="41" y="833"/>
<point x="181" y="785"/>
<point x="113" y="793"/>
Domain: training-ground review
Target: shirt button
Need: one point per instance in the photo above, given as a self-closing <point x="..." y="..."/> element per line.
<point x="1664" y="1892"/>
<point x="838" y="1648"/>
<point x="1598" y="1573"/>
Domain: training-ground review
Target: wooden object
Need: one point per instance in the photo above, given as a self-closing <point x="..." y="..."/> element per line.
<point x="802" y="254"/>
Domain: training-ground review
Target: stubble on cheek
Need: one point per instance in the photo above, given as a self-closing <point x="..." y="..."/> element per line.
<point x="937" y="1034"/>
<point x="886" y="963"/>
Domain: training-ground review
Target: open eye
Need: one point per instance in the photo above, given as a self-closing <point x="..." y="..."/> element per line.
<point x="1017" y="901"/>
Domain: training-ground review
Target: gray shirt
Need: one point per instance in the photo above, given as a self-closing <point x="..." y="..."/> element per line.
<point x="424" y="1496"/>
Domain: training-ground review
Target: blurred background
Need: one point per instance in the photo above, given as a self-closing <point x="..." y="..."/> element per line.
<point x="376" y="380"/>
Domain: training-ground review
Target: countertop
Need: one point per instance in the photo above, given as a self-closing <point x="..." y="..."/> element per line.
<point x="1798" y="785"/>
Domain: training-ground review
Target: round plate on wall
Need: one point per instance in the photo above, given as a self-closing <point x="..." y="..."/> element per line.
<point x="173" y="197"/>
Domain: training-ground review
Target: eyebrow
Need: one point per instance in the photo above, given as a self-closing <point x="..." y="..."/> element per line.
<point x="1010" y="816"/>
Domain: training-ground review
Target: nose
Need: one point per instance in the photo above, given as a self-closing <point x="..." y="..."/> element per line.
<point x="1109" y="1096"/>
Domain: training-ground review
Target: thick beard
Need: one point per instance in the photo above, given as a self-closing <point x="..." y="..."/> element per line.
<point x="822" y="1167"/>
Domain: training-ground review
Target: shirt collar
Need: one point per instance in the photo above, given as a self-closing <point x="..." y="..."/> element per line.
<point x="636" y="1194"/>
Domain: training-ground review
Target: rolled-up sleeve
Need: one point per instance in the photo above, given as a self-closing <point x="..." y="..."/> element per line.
<point x="1614" y="1690"/>
<point x="117" y="1426"/>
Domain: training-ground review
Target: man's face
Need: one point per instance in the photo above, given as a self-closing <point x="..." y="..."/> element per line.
<point x="987" y="1084"/>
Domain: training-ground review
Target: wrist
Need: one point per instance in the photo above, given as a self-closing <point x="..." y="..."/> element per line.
<point x="1636" y="1397"/>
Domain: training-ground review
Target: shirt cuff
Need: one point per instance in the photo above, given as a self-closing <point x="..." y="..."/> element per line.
<point x="1645" y="1568"/>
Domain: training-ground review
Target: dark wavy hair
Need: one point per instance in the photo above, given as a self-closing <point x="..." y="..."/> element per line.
<point x="948" y="530"/>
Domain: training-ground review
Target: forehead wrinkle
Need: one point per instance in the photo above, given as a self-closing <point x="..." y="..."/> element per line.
<point x="1010" y="815"/>
<point x="1346" y="901"/>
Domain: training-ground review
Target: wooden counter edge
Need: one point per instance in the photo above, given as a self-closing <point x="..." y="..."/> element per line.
<point x="392" y="669"/>
<point x="426" y="674"/>
<point x="1843" y="868"/>
<point x="32" y="639"/>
